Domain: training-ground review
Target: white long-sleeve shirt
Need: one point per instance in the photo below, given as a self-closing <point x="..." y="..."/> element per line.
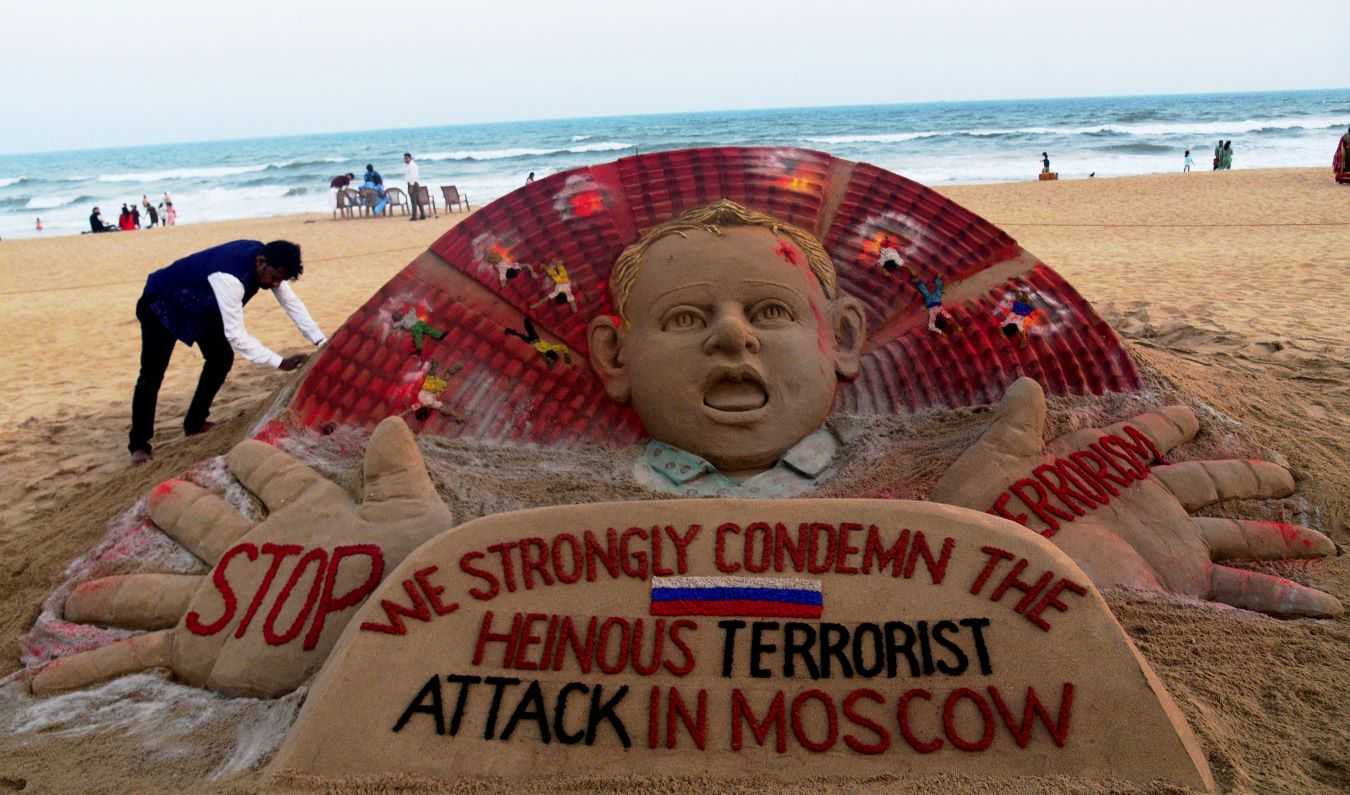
<point x="230" y="297"/>
<point x="410" y="172"/>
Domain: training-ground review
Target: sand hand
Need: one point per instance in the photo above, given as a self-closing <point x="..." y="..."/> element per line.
<point x="1105" y="498"/>
<point x="239" y="628"/>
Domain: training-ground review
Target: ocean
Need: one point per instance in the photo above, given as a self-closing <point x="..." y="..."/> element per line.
<point x="934" y="143"/>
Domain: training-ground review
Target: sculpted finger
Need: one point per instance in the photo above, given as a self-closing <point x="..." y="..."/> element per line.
<point x="1167" y="427"/>
<point x="1274" y="595"/>
<point x="1242" y="539"/>
<point x="152" y="650"/>
<point x="393" y="468"/>
<point x="132" y="601"/>
<point x="1200" y="483"/>
<point x="275" y="477"/>
<point x="196" y="518"/>
<point x="1007" y="450"/>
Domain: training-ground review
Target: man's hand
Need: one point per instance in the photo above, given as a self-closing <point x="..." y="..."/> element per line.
<point x="1106" y="498"/>
<point x="292" y="362"/>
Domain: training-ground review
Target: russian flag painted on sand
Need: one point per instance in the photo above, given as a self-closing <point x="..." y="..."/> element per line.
<point x="767" y="597"/>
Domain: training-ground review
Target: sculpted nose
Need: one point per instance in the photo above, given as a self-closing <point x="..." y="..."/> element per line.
<point x="731" y="334"/>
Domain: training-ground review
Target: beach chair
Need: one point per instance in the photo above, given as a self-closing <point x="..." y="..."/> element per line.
<point x="453" y="198"/>
<point x="369" y="199"/>
<point x="424" y="198"/>
<point x="398" y="200"/>
<point x="347" y="201"/>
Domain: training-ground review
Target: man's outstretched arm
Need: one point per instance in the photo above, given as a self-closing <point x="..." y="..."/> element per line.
<point x="230" y="298"/>
<point x="299" y="315"/>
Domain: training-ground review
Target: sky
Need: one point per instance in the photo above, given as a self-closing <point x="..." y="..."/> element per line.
<point x="101" y="74"/>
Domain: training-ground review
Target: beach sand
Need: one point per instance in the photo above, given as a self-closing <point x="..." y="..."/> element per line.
<point x="1229" y="288"/>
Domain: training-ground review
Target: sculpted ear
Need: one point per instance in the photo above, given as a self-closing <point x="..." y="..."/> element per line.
<point x="850" y="333"/>
<point x="606" y="343"/>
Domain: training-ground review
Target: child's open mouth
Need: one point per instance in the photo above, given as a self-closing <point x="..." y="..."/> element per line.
<point x="738" y="390"/>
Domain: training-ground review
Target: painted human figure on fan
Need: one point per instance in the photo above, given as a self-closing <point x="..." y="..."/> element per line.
<point x="417" y="327"/>
<point x="939" y="319"/>
<point x="561" y="290"/>
<point x="506" y="268"/>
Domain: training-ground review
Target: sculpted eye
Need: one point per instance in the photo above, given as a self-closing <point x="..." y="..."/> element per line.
<point x="684" y="320"/>
<point x="771" y="312"/>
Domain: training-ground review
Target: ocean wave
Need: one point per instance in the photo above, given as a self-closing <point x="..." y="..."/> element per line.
<point x="1138" y="149"/>
<point x="296" y="192"/>
<point x="1232" y="127"/>
<point x="576" y="138"/>
<point x="186" y="173"/>
<point x="14" y="202"/>
<point x="524" y="151"/>
<point x="876" y="138"/>
<point x="53" y="202"/>
<point x="5" y="182"/>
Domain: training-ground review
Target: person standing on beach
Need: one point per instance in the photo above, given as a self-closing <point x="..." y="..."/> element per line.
<point x="170" y="215"/>
<point x="530" y="178"/>
<point x="1188" y="162"/>
<point x="135" y="215"/>
<point x="1045" y="163"/>
<point x="199" y="300"/>
<point x="1228" y="155"/>
<point x="411" y="176"/>
<point x="1218" y="155"/>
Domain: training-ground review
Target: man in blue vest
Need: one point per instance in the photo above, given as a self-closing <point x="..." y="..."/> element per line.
<point x="199" y="300"/>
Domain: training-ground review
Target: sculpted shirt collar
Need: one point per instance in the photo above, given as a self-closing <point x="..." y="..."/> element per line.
<point x="675" y="471"/>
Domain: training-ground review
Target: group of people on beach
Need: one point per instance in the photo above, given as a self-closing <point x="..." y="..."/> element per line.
<point x="130" y="217"/>
<point x="1223" y="156"/>
<point x="372" y="181"/>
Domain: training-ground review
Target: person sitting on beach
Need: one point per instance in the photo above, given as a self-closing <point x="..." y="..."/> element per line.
<point x="374" y="182"/>
<point x="124" y="220"/>
<point x="96" y="223"/>
<point x="529" y="178"/>
<point x="199" y="300"/>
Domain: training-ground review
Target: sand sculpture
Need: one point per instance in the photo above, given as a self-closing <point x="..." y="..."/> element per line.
<point x="723" y="304"/>
<point x="734" y="637"/>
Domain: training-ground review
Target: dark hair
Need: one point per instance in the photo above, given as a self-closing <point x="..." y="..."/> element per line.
<point x="407" y="154"/>
<point x="285" y="257"/>
<point x="369" y="167"/>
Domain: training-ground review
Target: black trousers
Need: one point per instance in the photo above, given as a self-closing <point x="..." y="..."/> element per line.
<point x="157" y="345"/>
<point x="417" y="208"/>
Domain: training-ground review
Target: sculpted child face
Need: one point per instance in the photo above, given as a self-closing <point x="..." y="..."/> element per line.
<point x="732" y="349"/>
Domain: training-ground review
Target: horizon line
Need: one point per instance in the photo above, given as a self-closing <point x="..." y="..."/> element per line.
<point x="667" y="113"/>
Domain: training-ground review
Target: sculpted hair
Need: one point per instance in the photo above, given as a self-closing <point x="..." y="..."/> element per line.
<point x="709" y="219"/>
